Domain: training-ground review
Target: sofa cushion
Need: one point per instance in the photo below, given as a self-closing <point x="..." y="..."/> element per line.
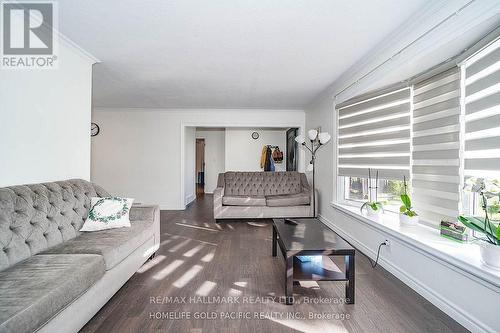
<point x="113" y="244"/>
<point x="243" y="200"/>
<point x="38" y="216"/>
<point x="262" y="183"/>
<point x="298" y="199"/>
<point x="36" y="289"/>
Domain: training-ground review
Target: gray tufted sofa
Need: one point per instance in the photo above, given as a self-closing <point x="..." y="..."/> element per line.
<point x="54" y="278"/>
<point x="262" y="195"/>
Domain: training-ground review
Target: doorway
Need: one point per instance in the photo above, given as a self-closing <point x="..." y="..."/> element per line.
<point x="200" y="167"/>
<point x="291" y="149"/>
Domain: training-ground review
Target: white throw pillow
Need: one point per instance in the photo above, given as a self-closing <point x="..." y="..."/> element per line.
<point x="108" y="213"/>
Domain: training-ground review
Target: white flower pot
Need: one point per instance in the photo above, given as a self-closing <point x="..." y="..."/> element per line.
<point x="373" y="213"/>
<point x="407" y="220"/>
<point x="490" y="254"/>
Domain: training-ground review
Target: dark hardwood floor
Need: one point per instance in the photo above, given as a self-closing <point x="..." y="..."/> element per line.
<point x="199" y="258"/>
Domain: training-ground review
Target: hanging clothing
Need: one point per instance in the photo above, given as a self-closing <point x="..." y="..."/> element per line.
<point x="277" y="155"/>
<point x="263" y="157"/>
<point x="269" y="163"/>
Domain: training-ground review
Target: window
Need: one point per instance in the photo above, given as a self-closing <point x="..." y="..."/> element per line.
<point x="436" y="147"/>
<point x="453" y="121"/>
<point x="482" y="124"/>
<point x="374" y="132"/>
<point x="357" y="191"/>
<point x="472" y="205"/>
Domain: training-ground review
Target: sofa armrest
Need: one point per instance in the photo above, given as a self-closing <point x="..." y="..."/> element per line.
<point x="144" y="213"/>
<point x="218" y="194"/>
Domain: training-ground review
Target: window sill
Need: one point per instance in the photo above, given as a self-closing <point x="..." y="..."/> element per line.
<point x="465" y="257"/>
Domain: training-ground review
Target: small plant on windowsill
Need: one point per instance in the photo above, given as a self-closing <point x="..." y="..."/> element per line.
<point x="489" y="246"/>
<point x="373" y="207"/>
<point x="407" y="216"/>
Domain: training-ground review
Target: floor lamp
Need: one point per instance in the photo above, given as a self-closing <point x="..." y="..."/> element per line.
<point x="317" y="139"/>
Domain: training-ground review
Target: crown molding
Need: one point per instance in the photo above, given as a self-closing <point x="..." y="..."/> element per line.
<point x="435" y="25"/>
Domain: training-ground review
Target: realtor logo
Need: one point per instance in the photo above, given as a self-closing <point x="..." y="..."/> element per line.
<point x="28" y="31"/>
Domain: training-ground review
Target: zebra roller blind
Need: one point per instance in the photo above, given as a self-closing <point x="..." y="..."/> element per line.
<point x="374" y="132"/>
<point x="436" y="146"/>
<point x="482" y="113"/>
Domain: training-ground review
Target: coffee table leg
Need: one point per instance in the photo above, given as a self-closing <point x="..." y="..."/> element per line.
<point x="349" y="272"/>
<point x="275" y="240"/>
<point x="289" y="280"/>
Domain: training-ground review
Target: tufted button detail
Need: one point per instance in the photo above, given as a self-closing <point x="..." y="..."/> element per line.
<point x="60" y="228"/>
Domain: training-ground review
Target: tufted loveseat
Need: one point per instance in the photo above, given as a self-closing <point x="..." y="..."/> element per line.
<point x="262" y="195"/>
<point x="54" y="278"/>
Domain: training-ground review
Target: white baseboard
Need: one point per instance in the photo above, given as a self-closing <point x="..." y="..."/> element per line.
<point x="190" y="198"/>
<point x="439" y="300"/>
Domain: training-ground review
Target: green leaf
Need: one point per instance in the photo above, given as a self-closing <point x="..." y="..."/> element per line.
<point x="363" y="206"/>
<point x="406" y="200"/>
<point x="379" y="205"/>
<point x="478" y="224"/>
<point x="402" y="209"/>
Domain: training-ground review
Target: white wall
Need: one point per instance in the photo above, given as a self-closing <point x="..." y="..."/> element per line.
<point x="243" y="152"/>
<point x="45" y="121"/>
<point x="140" y="152"/>
<point x="190" y="166"/>
<point x="214" y="155"/>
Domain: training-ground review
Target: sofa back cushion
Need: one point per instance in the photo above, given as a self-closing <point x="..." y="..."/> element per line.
<point x="38" y="216"/>
<point x="262" y="183"/>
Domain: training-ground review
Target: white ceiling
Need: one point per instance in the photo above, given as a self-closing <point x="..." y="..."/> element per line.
<point x="225" y="54"/>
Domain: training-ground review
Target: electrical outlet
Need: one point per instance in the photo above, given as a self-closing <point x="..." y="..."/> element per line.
<point x="387" y="243"/>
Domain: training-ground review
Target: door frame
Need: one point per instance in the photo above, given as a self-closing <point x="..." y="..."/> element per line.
<point x="183" y="125"/>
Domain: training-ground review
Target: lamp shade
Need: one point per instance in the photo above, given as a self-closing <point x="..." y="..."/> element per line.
<point x="312" y="134"/>
<point x="300" y="139"/>
<point x="324" y="137"/>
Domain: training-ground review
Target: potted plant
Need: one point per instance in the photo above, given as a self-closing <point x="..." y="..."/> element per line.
<point x="373" y="208"/>
<point x="490" y="245"/>
<point x="407" y="216"/>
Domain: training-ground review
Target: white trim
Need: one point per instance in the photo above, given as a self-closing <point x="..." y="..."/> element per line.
<point x="64" y="40"/>
<point x="415" y="38"/>
<point x="486" y="276"/>
<point x="420" y="287"/>
<point x="189" y="199"/>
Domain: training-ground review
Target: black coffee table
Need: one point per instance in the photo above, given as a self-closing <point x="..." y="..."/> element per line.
<point x="312" y="238"/>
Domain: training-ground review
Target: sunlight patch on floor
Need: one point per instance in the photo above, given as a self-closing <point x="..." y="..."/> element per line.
<point x="193" y="251"/>
<point x="234" y="292"/>
<point x="196" y="227"/>
<point x="310" y="326"/>
<point x="188" y="276"/>
<point x="205" y="288"/>
<point x="151" y="263"/>
<point x="179" y="246"/>
<point x="167" y="270"/>
<point x="208" y="257"/>
<point x="257" y="224"/>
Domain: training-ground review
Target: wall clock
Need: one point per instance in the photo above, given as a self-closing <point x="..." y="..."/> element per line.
<point x="255" y="135"/>
<point x="94" y="129"/>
